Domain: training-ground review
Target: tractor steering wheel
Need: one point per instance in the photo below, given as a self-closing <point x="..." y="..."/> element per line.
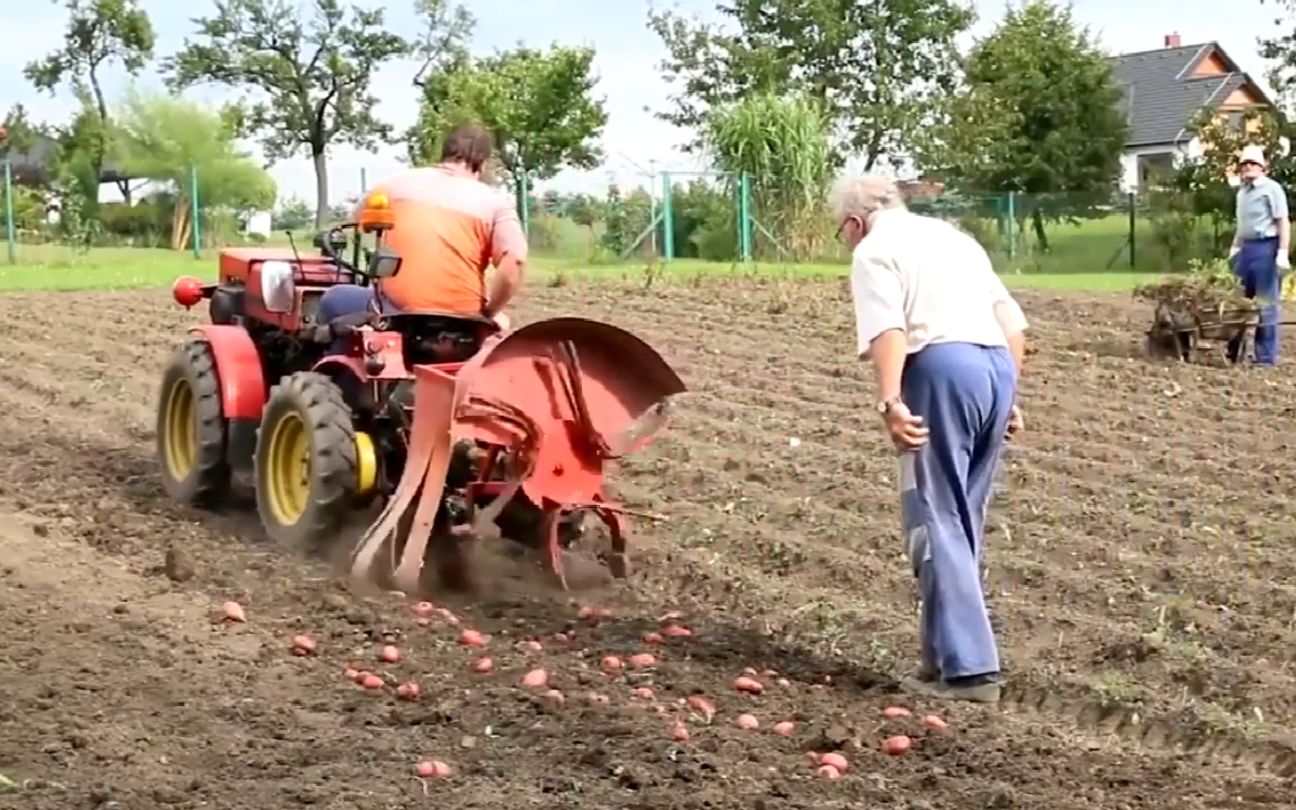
<point x="328" y="243"/>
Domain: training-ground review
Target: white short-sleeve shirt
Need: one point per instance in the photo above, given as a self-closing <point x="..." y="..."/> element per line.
<point x="933" y="281"/>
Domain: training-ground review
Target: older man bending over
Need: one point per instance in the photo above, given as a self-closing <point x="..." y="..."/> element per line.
<point x="946" y="340"/>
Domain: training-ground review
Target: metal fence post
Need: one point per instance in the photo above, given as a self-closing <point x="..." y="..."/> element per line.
<point x="195" y="214"/>
<point x="9" y="212"/>
<point x="668" y="219"/>
<point x="1131" y="229"/>
<point x="1012" y="225"/>
<point x="745" y="207"/>
<point x="524" y="202"/>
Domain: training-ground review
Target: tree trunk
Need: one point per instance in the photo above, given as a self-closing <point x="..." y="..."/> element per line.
<point x="180" y="224"/>
<point x="102" y="149"/>
<point x="1041" y="238"/>
<point x="321" y="185"/>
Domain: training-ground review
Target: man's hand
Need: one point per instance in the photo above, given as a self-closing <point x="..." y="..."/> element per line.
<point x="906" y="430"/>
<point x="1284" y="260"/>
<point x="1015" y="423"/>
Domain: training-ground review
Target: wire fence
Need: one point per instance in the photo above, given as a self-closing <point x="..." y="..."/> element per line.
<point x="672" y="216"/>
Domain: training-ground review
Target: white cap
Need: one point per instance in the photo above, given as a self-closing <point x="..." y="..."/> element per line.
<point x="1252" y="153"/>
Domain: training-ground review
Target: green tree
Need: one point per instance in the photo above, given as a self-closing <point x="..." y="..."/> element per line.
<point x="77" y="168"/>
<point x="443" y="44"/>
<point x="1281" y="49"/>
<point x="19" y="132"/>
<point x="99" y="32"/>
<point x="169" y="139"/>
<point x="1200" y="189"/>
<point x="538" y="105"/>
<point x="781" y="143"/>
<point x="1041" y="115"/>
<point x="294" y="214"/>
<point x="882" y="67"/>
<point x="308" y="78"/>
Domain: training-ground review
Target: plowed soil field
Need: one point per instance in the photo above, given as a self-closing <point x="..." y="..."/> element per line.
<point x="1141" y="565"/>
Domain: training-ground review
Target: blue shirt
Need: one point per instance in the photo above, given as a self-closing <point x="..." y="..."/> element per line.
<point x="1259" y="207"/>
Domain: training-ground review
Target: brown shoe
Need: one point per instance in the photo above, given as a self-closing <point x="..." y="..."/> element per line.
<point x="982" y="691"/>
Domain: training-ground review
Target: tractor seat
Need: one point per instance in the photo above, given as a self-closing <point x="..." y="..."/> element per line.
<point x="438" y="337"/>
<point x="431" y="321"/>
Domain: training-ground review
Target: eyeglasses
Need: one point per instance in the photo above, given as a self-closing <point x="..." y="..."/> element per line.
<point x="841" y="226"/>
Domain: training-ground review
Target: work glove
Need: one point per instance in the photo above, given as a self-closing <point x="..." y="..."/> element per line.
<point x="1284" y="261"/>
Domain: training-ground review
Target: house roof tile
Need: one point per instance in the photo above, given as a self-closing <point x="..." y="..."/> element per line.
<point x="1161" y="95"/>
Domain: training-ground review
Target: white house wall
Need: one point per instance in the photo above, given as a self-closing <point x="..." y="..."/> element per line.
<point x="1130" y="160"/>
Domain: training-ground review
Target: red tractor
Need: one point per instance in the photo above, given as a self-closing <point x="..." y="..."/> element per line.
<point x="459" y="429"/>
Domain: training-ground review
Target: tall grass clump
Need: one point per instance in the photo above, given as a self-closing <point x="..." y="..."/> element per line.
<point x="782" y="143"/>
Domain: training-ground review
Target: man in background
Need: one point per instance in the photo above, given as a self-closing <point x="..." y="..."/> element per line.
<point x="450" y="227"/>
<point x="946" y="340"/>
<point x="1260" y="250"/>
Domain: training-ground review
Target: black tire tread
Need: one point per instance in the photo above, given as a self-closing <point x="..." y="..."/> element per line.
<point x="334" y="464"/>
<point x="209" y="482"/>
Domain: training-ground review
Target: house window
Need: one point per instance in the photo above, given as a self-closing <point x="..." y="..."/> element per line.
<point x="1235" y="122"/>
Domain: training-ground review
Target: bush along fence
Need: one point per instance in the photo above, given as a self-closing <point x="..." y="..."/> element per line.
<point x="712" y="216"/>
<point x="168" y="214"/>
<point x="707" y="215"/>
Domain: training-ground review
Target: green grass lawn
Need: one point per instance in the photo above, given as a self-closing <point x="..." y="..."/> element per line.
<point x="53" y="267"/>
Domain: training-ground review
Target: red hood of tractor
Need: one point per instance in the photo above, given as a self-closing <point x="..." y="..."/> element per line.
<point x="235" y="264"/>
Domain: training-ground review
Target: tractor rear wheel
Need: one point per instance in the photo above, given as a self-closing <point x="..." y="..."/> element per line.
<point x="311" y="463"/>
<point x="191" y="428"/>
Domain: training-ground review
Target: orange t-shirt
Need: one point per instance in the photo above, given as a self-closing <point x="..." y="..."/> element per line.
<point x="449" y="229"/>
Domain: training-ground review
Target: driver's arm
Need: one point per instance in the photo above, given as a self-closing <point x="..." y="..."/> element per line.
<point x="508" y="254"/>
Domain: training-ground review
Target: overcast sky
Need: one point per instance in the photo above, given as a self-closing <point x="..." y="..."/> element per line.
<point x="626" y="63"/>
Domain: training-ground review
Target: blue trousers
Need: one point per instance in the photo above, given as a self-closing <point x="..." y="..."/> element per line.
<point x="965" y="393"/>
<point x="344" y="299"/>
<point x="1256" y="267"/>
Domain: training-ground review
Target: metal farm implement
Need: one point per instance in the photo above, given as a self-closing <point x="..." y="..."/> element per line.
<point x="458" y="430"/>
<point x="1187" y="332"/>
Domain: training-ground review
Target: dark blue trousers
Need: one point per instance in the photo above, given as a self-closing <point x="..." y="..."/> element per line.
<point x="344" y="299"/>
<point x="1256" y="266"/>
<point x="965" y="393"/>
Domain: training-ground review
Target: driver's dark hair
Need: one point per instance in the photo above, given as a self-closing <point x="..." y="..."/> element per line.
<point x="468" y="144"/>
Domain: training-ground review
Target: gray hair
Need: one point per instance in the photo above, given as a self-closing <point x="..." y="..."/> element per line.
<point x="863" y="196"/>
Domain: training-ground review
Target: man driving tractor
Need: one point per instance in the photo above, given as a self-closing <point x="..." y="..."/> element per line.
<point x="450" y="227"/>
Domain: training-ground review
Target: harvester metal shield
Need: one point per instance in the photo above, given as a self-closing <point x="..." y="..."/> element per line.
<point x="589" y="389"/>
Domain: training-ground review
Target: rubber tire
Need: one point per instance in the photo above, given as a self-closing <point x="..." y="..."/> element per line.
<point x="319" y="402"/>
<point x="208" y="483"/>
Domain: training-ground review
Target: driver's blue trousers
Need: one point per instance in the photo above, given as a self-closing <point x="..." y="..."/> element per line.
<point x="345" y="299"/>
<point x="964" y="392"/>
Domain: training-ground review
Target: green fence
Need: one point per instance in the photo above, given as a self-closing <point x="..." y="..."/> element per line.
<point x="701" y="216"/>
<point x="150" y="222"/>
<point x="718" y="217"/>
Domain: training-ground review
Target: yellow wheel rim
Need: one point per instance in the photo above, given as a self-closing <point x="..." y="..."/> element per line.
<point x="180" y="436"/>
<point x="366" y="464"/>
<point x="288" y="469"/>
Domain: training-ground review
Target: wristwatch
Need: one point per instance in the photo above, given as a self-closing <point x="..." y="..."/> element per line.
<point x="884" y="406"/>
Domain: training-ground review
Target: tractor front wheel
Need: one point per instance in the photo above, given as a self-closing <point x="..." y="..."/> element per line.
<point x="191" y="428"/>
<point x="311" y="464"/>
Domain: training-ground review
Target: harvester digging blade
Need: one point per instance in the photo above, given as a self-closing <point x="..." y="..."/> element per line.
<point x="420" y="489"/>
<point x="616" y="559"/>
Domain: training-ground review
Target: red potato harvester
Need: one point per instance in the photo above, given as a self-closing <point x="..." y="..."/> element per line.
<point x="462" y="431"/>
